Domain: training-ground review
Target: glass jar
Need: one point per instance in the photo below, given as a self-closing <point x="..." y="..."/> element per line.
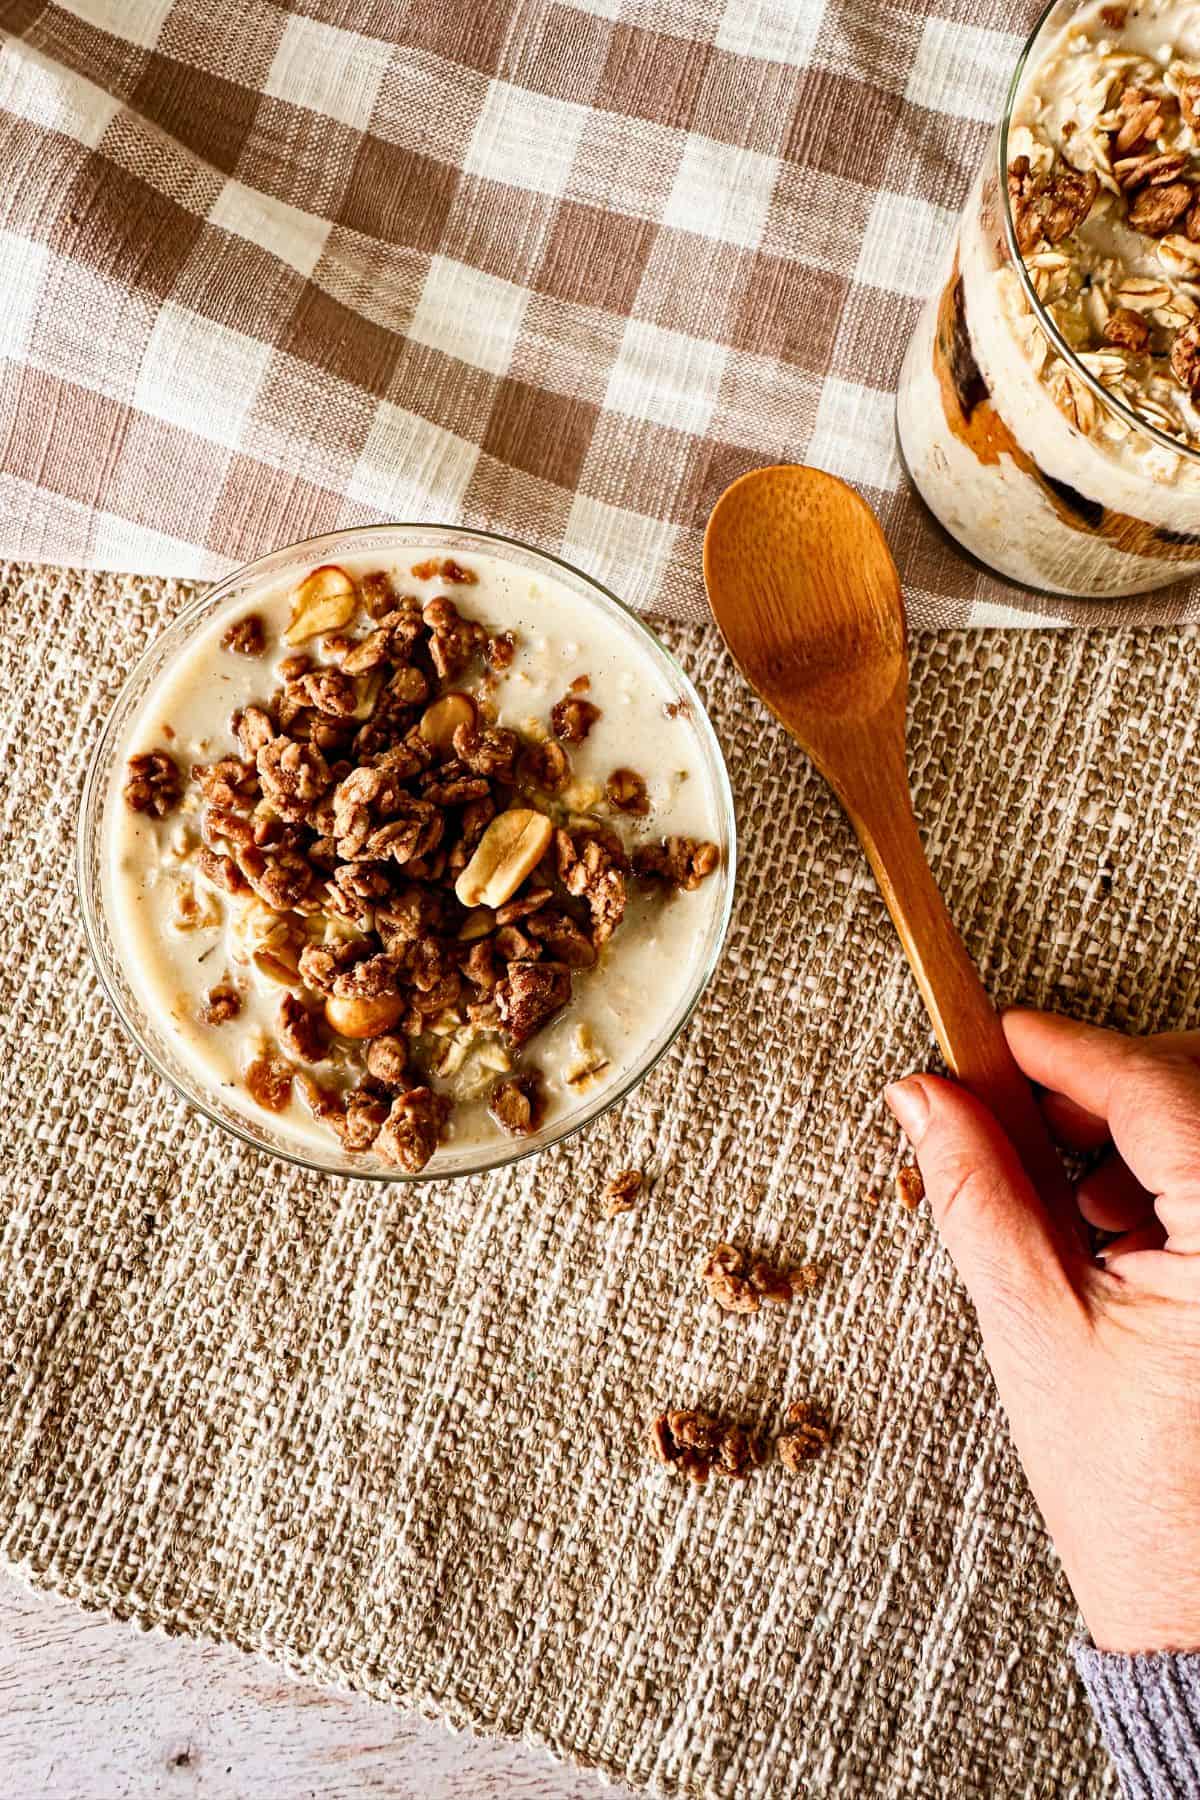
<point x="1024" y="448"/>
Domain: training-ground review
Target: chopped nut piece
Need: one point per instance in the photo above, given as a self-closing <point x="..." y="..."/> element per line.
<point x="509" y="850"/>
<point x="269" y="1081"/>
<point x="1128" y="329"/>
<point x="364" y="1018"/>
<point x="245" y="636"/>
<point x="301" y="1031"/>
<point x="191" y="912"/>
<point x="1143" y="118"/>
<point x="221" y="1004"/>
<point x="325" y="600"/>
<point x="413" y="1129"/>
<point x="520" y="908"/>
<point x="453" y="640"/>
<point x="153" y="783"/>
<point x="367" y="654"/>
<point x="519" y="1104"/>
<point x="255" y="729"/>
<point x="547" y="766"/>
<point x="561" y="938"/>
<point x="622" y="1193"/>
<point x="531" y="994"/>
<point x="378" y="594"/>
<point x="1136" y="171"/>
<point x="479" y="923"/>
<point x="500" y="649"/>
<point x="572" y="718"/>
<point x="626" y="790"/>
<point x="1185" y="358"/>
<point x="491" y="751"/>
<point x="590" y="870"/>
<point x="330" y="691"/>
<point x="293" y="776"/>
<point x="805" y="1436"/>
<point x="910" y="1187"/>
<point x="683" y="862"/>
<point x="454" y="571"/>
<point x="387" y="1063"/>
<point x="701" y="1444"/>
<point x="440" y="721"/>
<point x="588" y="1062"/>
<point x="359" y="1121"/>
<point x="1048" y="204"/>
<point x="1156" y="208"/>
<point x="447" y="568"/>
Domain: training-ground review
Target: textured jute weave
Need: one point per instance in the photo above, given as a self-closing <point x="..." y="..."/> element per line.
<point x="397" y="1439"/>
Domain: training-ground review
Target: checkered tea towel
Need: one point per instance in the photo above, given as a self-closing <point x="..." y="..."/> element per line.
<point x="562" y="268"/>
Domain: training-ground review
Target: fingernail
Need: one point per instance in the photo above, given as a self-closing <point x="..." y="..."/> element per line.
<point x="910" y="1104"/>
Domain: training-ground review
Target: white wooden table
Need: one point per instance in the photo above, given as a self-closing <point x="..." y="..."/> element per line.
<point x="90" y="1710"/>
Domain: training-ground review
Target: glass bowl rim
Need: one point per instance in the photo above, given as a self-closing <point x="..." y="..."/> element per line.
<point x="1109" y="400"/>
<point x="92" y="800"/>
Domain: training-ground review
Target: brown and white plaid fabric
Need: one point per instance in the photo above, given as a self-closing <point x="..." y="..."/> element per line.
<point x="561" y="268"/>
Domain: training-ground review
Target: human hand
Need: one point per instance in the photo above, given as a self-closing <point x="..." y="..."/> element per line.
<point x="1096" y="1359"/>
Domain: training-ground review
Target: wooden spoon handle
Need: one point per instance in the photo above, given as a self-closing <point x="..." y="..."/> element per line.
<point x="965" y="1022"/>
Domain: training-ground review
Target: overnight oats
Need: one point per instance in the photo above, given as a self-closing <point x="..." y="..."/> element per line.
<point x="1049" y="405"/>
<point x="412" y="858"/>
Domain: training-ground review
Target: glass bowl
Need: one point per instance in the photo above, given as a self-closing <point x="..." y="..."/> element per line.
<point x="235" y="594"/>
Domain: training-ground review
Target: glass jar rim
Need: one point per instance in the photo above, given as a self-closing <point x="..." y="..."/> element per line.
<point x="93" y="797"/>
<point x="1111" y="402"/>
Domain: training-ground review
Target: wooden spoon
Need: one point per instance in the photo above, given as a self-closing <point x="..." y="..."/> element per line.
<point x="806" y="594"/>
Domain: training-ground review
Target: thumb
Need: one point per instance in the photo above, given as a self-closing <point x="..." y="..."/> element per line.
<point x="991" y="1220"/>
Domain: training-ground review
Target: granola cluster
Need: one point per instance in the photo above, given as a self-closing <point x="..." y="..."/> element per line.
<point x="622" y="1193"/>
<point x="1104" y="186"/>
<point x="805" y="1436"/>
<point x="740" y="1282"/>
<point x="700" y="1444"/>
<point x="405" y="866"/>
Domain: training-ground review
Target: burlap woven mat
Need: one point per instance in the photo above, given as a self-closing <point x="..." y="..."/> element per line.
<point x="397" y="1439"/>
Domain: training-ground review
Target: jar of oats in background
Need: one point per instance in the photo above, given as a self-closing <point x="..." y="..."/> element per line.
<point x="1049" y="404"/>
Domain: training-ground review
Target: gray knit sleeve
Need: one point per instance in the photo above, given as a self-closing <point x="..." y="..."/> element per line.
<point x="1148" y="1710"/>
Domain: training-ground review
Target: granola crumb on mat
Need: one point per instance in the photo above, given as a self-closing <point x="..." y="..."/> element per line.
<point x="909" y="1187"/>
<point x="622" y="1193"/>
<point x="805" y="1435"/>
<point x="701" y="1444"/>
<point x="739" y="1282"/>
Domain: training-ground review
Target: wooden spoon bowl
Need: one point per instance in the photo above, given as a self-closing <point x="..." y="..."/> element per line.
<point x="807" y="597"/>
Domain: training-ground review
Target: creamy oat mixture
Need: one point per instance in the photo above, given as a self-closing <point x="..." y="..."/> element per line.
<point x="413" y="855"/>
<point x="1104" y="180"/>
